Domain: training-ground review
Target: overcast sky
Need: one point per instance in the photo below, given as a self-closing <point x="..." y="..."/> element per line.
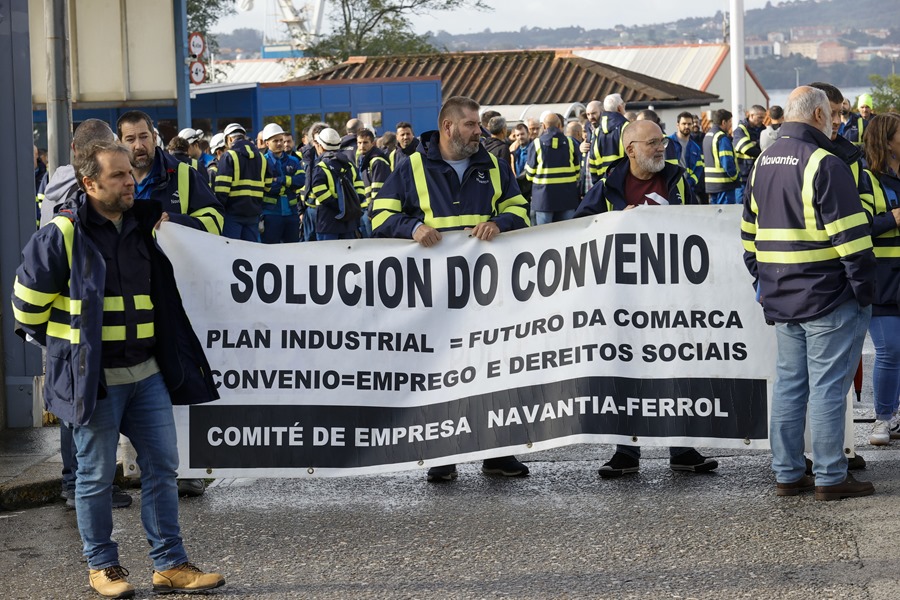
<point x="512" y="15"/>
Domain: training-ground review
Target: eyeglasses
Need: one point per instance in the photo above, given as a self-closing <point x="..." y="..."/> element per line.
<point x="657" y="143"/>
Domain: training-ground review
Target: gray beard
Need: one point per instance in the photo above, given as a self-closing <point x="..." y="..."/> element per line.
<point x="651" y="165"/>
<point x="461" y="148"/>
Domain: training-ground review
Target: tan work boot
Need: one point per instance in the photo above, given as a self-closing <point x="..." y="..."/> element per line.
<point x="111" y="582"/>
<point x="185" y="578"/>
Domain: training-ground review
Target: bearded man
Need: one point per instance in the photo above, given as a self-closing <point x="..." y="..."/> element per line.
<point x="452" y="183"/>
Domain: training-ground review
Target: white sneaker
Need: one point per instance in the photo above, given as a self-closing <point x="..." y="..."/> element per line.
<point x="881" y="433"/>
<point x="894" y="426"/>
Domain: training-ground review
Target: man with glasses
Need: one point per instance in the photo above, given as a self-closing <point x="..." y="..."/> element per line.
<point x="643" y="176"/>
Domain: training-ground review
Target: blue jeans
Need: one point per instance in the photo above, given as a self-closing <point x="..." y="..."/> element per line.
<point x="143" y="412"/>
<point x="239" y="230"/>
<point x="885" y="332"/>
<point x="281" y="229"/>
<point x="309" y="224"/>
<point x="728" y="197"/>
<point x="69" y="461"/>
<point x="543" y="217"/>
<point x="365" y="225"/>
<point x="815" y="367"/>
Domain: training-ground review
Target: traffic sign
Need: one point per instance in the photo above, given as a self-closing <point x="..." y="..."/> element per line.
<point x="196" y="44"/>
<point x="198" y="72"/>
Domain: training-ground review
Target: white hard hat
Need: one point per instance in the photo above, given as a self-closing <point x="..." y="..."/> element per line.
<point x="233" y="128"/>
<point x="329" y="138"/>
<point x="217" y="141"/>
<point x="271" y="130"/>
<point x="191" y="135"/>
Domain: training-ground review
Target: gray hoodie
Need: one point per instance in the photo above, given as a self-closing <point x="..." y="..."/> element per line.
<point x="60" y="187"/>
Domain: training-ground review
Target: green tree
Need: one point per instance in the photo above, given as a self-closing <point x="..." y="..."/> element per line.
<point x="885" y="93"/>
<point x="202" y="15"/>
<point x="379" y="27"/>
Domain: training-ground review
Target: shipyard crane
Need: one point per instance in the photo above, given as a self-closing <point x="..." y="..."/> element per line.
<point x="304" y="24"/>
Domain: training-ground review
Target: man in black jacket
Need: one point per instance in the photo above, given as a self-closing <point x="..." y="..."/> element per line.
<point x="643" y="177"/>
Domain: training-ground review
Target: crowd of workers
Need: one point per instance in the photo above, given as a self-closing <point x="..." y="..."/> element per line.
<point x="820" y="232"/>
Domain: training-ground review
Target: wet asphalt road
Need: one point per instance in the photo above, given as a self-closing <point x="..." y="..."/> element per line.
<point x="560" y="533"/>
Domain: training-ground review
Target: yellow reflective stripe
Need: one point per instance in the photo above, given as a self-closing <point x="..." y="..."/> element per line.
<point x="65" y="304"/>
<point x="211" y="219"/>
<point x="237" y="164"/>
<point x="30" y="318"/>
<point x="794" y="257"/>
<point x="791" y="235"/>
<point x="554" y="180"/>
<point x="556" y="170"/>
<point x="378" y="218"/>
<point x="418" y="171"/>
<point x="145" y="330"/>
<point x="114" y="303"/>
<point x="495" y="181"/>
<point x="881" y="252"/>
<point x="113" y="333"/>
<point x="387" y="204"/>
<point x="456" y="222"/>
<point x="518" y="210"/>
<point x="749" y="246"/>
<point x="809" y="173"/>
<point x="836" y="227"/>
<point x="67" y="227"/>
<point x="32" y="296"/>
<point x="748" y="227"/>
<point x="854" y="246"/>
<point x="184" y="186"/>
<point x="63" y="332"/>
<point x="143" y="302"/>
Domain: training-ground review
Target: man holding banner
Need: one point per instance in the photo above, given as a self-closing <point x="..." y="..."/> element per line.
<point x="807" y="242"/>
<point x="643" y="177"/>
<point x="443" y="188"/>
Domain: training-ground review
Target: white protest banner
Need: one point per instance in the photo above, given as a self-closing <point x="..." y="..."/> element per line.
<point x="346" y="357"/>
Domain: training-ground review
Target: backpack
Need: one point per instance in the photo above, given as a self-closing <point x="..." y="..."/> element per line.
<point x="349" y="205"/>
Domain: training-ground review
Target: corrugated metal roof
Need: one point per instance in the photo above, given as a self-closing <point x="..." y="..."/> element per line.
<point x="691" y="65"/>
<point x="258" y="70"/>
<point x="517" y="78"/>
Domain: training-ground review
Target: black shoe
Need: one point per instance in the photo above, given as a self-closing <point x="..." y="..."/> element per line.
<point x="620" y="464"/>
<point x="692" y="461"/>
<point x="191" y="487"/>
<point x="120" y="499"/>
<point x="857" y="463"/>
<point x="507" y="466"/>
<point x="442" y="473"/>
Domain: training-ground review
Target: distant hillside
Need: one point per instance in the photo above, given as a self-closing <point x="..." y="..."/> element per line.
<point x="856" y="15"/>
<point x="773" y="72"/>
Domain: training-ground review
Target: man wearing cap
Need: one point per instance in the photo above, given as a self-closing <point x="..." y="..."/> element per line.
<point x="280" y="216"/>
<point x="331" y="165"/>
<point x="452" y="184"/>
<point x="244" y="175"/>
<point x="855" y="126"/>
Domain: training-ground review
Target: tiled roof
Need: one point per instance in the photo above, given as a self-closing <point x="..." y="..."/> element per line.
<point x="516" y="78"/>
